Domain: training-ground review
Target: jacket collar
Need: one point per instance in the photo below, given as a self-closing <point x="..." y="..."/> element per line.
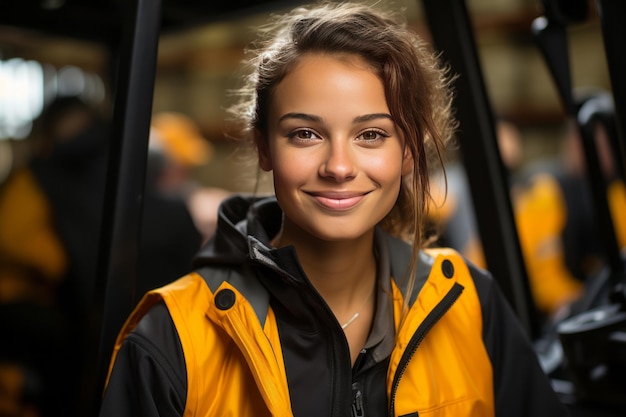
<point x="240" y="217"/>
<point x="247" y="224"/>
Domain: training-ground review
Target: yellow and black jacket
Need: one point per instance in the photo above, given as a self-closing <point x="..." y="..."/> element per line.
<point x="247" y="335"/>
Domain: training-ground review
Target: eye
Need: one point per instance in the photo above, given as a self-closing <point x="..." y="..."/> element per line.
<point x="372" y="136"/>
<point x="303" y="135"/>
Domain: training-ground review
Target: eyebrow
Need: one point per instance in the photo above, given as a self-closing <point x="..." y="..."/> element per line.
<point x="300" y="116"/>
<point x="373" y="116"/>
<point x="317" y="119"/>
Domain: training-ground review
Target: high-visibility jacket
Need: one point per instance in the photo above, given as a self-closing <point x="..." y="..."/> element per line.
<point x="456" y="351"/>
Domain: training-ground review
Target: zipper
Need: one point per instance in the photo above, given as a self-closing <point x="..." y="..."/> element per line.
<point x="358" y="405"/>
<point x="357" y="363"/>
<point x="341" y="378"/>
<point x="431" y="319"/>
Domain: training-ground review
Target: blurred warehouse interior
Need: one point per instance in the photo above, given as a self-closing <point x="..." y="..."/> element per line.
<point x="197" y="66"/>
<point x="51" y="49"/>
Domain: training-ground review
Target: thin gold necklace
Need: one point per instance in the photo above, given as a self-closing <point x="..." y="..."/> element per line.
<point x="358" y="312"/>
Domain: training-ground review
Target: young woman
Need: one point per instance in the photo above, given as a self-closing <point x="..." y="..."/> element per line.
<point x="311" y="303"/>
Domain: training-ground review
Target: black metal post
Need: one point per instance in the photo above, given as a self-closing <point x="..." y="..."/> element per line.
<point x="452" y="34"/>
<point x="117" y="265"/>
<point x="587" y="118"/>
<point x="612" y="14"/>
<point x="550" y="32"/>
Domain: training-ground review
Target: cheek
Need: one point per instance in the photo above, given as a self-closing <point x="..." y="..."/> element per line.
<point x="385" y="169"/>
<point x="291" y="168"/>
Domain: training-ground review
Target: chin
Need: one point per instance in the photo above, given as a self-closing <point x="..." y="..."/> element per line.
<point x="337" y="235"/>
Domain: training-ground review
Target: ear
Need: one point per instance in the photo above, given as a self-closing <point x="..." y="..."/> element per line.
<point x="408" y="163"/>
<point x="263" y="151"/>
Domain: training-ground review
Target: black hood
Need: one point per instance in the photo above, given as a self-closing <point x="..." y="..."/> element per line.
<point x="240" y="217"/>
<point x="242" y="243"/>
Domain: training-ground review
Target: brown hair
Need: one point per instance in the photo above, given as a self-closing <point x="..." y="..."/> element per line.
<point x="417" y="88"/>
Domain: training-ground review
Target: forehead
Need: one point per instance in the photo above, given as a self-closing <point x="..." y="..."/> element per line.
<point x="327" y="83"/>
<point x="348" y="62"/>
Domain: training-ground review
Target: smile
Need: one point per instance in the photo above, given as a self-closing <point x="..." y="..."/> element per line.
<point x="338" y="201"/>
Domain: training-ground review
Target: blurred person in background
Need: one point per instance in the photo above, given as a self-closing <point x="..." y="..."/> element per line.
<point x="18" y="390"/>
<point x="183" y="148"/>
<point x="50" y="215"/>
<point x="556" y="218"/>
<point x="169" y="236"/>
<point x="537" y="214"/>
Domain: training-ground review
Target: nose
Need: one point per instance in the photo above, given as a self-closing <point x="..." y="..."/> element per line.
<point x="339" y="163"/>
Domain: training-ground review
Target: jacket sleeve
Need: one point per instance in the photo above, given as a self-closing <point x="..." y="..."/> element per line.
<point x="522" y="388"/>
<point x="149" y="375"/>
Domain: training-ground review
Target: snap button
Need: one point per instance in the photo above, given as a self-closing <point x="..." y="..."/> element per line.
<point x="225" y="299"/>
<point x="447" y="268"/>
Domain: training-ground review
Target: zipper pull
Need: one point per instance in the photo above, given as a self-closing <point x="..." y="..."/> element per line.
<point x="358" y="405"/>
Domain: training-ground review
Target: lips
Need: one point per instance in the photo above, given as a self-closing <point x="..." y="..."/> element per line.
<point x="337" y="200"/>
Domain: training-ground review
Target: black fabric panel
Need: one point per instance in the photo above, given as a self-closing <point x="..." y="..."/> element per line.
<point x="149" y="377"/>
<point x="309" y="364"/>
<point x="511" y="353"/>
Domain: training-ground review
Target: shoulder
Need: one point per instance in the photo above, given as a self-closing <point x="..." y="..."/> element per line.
<point x="468" y="274"/>
<point x="482" y="278"/>
<point x="156" y="337"/>
<point x="460" y="264"/>
<point x="164" y="306"/>
<point x="485" y="285"/>
<point x="149" y="356"/>
<point x="188" y="292"/>
<point x="155" y="333"/>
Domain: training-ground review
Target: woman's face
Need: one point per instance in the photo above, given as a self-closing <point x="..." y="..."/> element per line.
<point x="336" y="154"/>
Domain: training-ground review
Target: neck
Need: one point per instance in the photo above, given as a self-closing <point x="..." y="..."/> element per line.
<point x="344" y="273"/>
